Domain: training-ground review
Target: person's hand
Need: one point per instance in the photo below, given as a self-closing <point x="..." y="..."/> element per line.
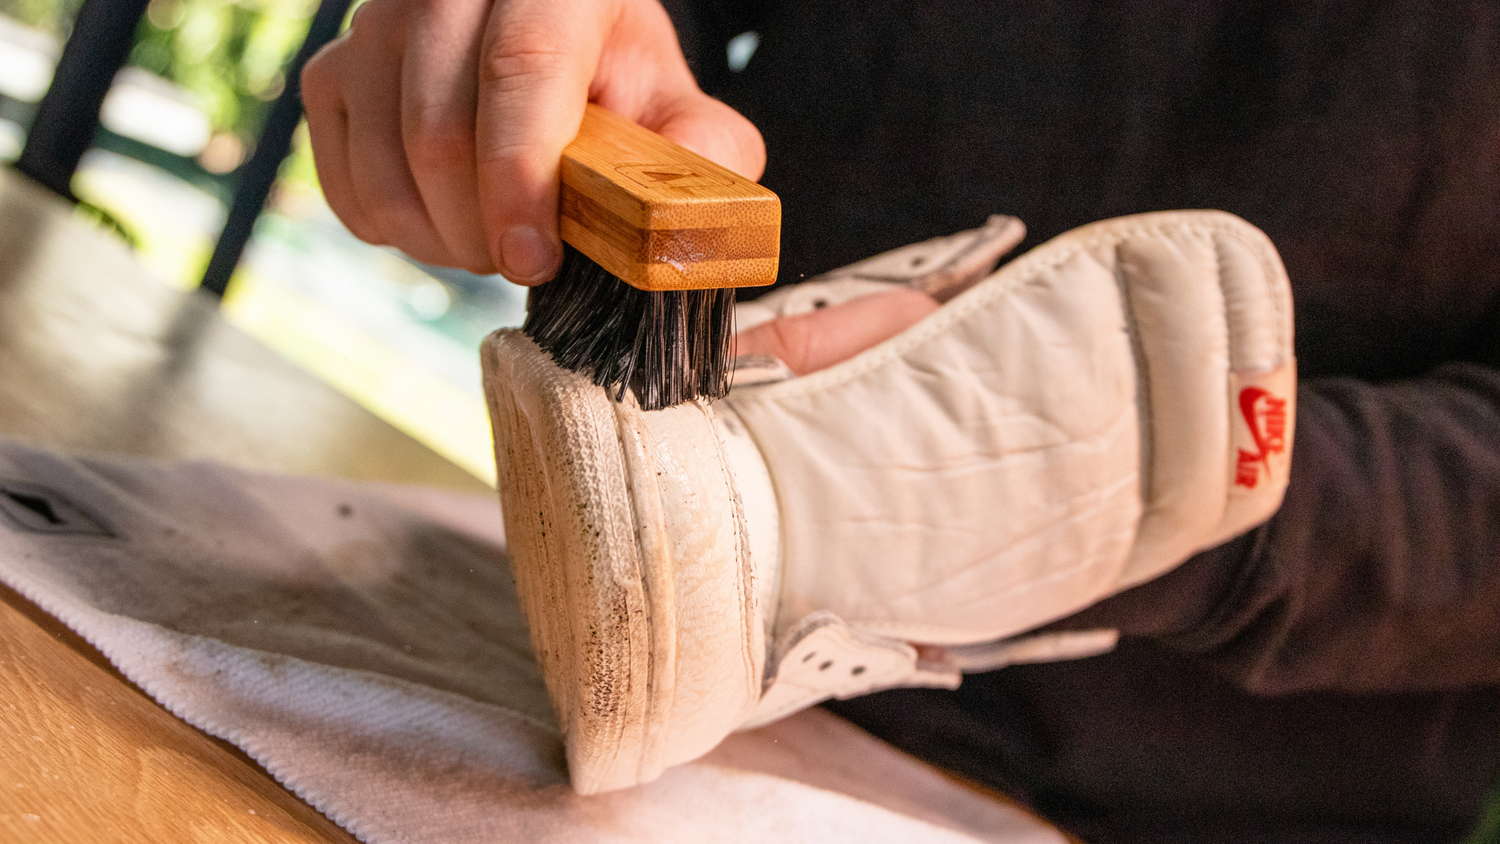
<point x="437" y="127"/>
<point x="812" y="341"/>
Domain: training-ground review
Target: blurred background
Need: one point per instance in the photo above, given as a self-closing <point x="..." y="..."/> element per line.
<point x="180" y="119"/>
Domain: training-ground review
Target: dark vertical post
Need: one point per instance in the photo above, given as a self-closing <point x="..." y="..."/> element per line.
<point x="258" y="174"/>
<point x="68" y="116"/>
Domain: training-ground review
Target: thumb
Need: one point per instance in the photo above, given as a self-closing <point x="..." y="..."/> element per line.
<point x="535" y="67"/>
<point x="819" y="339"/>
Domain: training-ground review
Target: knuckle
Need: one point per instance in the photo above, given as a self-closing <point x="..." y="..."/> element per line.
<point x="521" y="55"/>
<point x="388" y="214"/>
<point x="393" y="220"/>
<point x="319" y="76"/>
<point x="518" y="161"/>
<point x="439" y="142"/>
<point x="315" y="72"/>
<point x="510" y="160"/>
<point x="377" y="24"/>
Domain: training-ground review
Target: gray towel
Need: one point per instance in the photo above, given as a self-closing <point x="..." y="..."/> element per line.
<point x="364" y="644"/>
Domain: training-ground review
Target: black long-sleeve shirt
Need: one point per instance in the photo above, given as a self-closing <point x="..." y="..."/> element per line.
<point x="1335" y="674"/>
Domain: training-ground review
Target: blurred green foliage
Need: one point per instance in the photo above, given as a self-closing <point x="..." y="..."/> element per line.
<point x="228" y="54"/>
<point x="54" y="16"/>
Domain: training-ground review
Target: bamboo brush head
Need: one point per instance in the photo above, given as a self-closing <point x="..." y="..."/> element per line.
<point x="657" y="238"/>
<point x="660" y="217"/>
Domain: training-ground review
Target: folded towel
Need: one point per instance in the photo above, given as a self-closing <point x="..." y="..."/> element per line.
<point x="363" y="643"/>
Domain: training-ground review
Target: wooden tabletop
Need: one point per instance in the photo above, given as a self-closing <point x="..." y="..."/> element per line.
<point x="97" y="356"/>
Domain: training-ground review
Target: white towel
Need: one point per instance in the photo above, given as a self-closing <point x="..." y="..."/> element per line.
<point x="363" y="643"/>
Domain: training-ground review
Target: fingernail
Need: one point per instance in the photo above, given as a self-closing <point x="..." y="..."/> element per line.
<point x="526" y="254"/>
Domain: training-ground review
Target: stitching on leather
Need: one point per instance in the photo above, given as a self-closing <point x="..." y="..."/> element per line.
<point x="745" y="583"/>
<point x="1221" y="267"/>
<point x="1017" y="593"/>
<point x="783" y="555"/>
<point x="1094" y="494"/>
<point x="651" y="741"/>
<point x="1025" y="269"/>
<point x="1143" y="400"/>
<point x="1271" y="272"/>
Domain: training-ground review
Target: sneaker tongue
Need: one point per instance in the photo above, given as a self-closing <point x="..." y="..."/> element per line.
<point x="942" y="267"/>
<point x="749" y="370"/>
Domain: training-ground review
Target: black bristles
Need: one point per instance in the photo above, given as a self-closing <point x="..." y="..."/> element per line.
<point x="667" y="347"/>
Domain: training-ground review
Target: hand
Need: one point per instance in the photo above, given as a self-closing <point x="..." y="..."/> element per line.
<point x="812" y="341"/>
<point x="437" y="127"/>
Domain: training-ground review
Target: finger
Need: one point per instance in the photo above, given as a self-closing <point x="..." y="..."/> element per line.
<point x="817" y="340"/>
<point x="438" y="99"/>
<point x="718" y="133"/>
<point x="535" y="66"/>
<point x="379" y="172"/>
<point x="328" y="132"/>
<point x="645" y="78"/>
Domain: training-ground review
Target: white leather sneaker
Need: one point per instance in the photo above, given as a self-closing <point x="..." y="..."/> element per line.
<point x="1077" y="423"/>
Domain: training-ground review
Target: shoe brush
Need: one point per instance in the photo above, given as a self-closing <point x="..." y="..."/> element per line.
<point x="656" y="238"/>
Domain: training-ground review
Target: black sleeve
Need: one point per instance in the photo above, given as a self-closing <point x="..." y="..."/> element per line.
<point x="1380" y="572"/>
<point x="704" y="28"/>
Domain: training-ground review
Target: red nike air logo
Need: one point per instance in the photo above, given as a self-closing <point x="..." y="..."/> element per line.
<point x="1265" y="415"/>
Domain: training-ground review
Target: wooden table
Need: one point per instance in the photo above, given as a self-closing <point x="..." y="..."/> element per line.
<point x="97" y="356"/>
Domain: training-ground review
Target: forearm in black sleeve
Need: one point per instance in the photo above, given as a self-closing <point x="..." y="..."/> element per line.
<point x="704" y="28"/>
<point x="1380" y="572"/>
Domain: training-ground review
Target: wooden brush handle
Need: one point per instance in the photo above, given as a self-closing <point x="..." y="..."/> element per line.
<point x="661" y="217"/>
